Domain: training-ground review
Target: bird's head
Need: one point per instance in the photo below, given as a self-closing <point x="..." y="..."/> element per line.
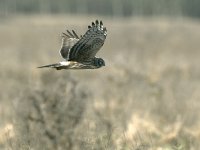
<point x="99" y="62"/>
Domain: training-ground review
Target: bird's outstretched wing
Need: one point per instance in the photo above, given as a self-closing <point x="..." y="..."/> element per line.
<point x="89" y="44"/>
<point x="68" y="41"/>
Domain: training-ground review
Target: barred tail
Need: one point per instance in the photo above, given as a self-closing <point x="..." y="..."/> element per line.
<point x="57" y="66"/>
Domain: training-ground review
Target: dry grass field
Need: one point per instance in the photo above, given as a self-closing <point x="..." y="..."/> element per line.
<point x="146" y="98"/>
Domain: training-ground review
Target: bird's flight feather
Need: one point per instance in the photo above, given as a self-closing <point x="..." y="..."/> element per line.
<point x="85" y="48"/>
<point x="68" y="41"/>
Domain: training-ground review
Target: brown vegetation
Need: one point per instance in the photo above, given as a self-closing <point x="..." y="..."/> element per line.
<point x="147" y="96"/>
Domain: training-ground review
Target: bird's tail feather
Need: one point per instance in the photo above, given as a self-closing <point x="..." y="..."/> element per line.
<point x="57" y="65"/>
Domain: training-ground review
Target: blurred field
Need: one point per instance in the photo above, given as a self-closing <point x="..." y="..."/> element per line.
<point x="147" y="96"/>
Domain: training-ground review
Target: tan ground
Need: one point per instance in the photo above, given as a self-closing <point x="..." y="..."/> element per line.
<point x="147" y="96"/>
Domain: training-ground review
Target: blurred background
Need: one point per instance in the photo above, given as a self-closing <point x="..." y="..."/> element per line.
<point x="145" y="98"/>
<point x="114" y="8"/>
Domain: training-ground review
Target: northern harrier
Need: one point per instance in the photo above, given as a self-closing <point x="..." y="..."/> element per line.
<point x="79" y="52"/>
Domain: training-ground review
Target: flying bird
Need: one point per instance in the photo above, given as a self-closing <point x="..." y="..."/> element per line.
<point x="79" y="52"/>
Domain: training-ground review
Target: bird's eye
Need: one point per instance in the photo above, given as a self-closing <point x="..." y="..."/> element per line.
<point x="99" y="62"/>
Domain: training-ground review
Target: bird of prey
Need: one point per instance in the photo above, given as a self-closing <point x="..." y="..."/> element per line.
<point x="79" y="52"/>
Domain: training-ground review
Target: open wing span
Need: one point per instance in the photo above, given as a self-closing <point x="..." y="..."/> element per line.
<point x="89" y="44"/>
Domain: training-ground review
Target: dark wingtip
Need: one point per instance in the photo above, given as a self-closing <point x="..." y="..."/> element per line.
<point x="97" y="22"/>
<point x="101" y="23"/>
<point x="64" y="34"/>
<point x="71" y="35"/>
<point x="76" y="36"/>
<point x="93" y="24"/>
